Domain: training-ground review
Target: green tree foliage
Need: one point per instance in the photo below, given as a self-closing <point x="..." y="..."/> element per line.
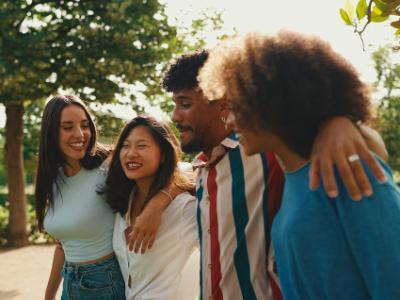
<point x="97" y="49"/>
<point x="78" y="44"/>
<point x="109" y="126"/>
<point x="389" y="108"/>
<point x="87" y="46"/>
<point x="375" y="11"/>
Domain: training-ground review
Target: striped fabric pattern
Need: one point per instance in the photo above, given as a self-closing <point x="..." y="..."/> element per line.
<point x="238" y="196"/>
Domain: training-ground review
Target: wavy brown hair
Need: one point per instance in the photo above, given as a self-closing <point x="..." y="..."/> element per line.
<point x="118" y="187"/>
<point x="287" y="83"/>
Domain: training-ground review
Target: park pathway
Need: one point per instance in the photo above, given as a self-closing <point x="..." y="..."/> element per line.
<point x="24" y="272"/>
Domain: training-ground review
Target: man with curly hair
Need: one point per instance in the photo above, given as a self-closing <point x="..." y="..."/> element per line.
<point x="281" y="89"/>
<point x="238" y="195"/>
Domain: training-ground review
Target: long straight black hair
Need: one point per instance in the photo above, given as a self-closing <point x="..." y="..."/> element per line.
<point x="118" y="187"/>
<point x="51" y="158"/>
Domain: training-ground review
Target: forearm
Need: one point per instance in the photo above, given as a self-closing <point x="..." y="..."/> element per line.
<point x="55" y="273"/>
<point x="163" y="198"/>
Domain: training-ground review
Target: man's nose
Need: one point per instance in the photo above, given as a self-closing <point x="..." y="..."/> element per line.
<point x="176" y="115"/>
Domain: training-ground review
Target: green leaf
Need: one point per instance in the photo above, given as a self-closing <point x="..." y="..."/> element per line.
<point x="345" y="16"/>
<point x="350" y="10"/>
<point x="380" y="3"/>
<point x="397" y="32"/>
<point x="361" y="9"/>
<point x="376" y="15"/>
<point x="382" y="6"/>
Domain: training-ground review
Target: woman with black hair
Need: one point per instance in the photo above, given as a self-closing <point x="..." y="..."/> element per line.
<point x="68" y="206"/>
<point x="144" y="162"/>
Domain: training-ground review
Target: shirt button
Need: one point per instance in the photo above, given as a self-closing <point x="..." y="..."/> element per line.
<point x="208" y="230"/>
<point x="209" y="266"/>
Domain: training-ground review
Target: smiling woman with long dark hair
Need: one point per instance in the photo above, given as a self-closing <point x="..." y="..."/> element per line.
<point x="68" y="206"/>
<point x="144" y="162"/>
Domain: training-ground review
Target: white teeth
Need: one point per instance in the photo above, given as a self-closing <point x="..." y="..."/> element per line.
<point x="77" y="145"/>
<point x="133" y="165"/>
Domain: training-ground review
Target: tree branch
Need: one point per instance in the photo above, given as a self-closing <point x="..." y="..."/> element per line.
<point x="368" y="17"/>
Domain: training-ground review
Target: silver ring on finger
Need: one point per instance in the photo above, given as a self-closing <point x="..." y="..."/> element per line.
<point x="353" y="157"/>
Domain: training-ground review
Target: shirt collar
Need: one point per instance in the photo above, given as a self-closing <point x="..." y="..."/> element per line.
<point x="227" y="144"/>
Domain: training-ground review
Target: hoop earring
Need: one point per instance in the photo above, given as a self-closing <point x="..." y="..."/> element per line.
<point x="224" y="121"/>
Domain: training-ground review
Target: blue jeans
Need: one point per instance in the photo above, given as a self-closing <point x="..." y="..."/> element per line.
<point x="97" y="281"/>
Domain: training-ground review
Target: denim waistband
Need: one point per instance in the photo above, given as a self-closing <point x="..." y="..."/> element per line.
<point x="73" y="267"/>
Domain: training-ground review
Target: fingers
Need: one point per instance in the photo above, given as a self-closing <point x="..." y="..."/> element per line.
<point x="135" y="240"/>
<point x="147" y="242"/>
<point x="347" y="174"/>
<point x="132" y="239"/>
<point x="362" y="181"/>
<point x="353" y="173"/>
<point x="151" y="241"/>
<point x="328" y="178"/>
<point x="373" y="164"/>
<point x="138" y="242"/>
<point x="359" y="174"/>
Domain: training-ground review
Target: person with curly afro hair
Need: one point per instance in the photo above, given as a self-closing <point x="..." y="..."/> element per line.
<point x="281" y="89"/>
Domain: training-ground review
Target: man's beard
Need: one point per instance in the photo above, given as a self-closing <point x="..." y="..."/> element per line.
<point x="194" y="146"/>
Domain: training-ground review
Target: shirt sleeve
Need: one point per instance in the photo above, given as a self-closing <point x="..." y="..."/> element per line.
<point x="372" y="229"/>
<point x="189" y="231"/>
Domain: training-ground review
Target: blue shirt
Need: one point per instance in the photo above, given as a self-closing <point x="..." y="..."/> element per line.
<point x="338" y="248"/>
<point x="81" y="219"/>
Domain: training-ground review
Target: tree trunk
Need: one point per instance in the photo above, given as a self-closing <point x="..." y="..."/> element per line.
<point x="17" y="234"/>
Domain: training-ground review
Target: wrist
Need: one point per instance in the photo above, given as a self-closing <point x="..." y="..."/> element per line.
<point x="159" y="202"/>
<point x="169" y="196"/>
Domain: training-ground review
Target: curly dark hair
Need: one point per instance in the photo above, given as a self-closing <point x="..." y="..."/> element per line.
<point x="118" y="187"/>
<point x="182" y="73"/>
<point x="287" y="83"/>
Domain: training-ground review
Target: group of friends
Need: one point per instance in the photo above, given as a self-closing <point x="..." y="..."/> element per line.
<point x="288" y="197"/>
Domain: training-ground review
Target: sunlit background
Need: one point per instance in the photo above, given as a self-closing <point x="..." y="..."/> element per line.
<point x="308" y="16"/>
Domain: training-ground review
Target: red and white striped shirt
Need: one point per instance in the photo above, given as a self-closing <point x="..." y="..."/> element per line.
<point x="238" y="196"/>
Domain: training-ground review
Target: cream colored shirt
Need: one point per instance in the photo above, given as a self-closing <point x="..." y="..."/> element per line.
<point x="170" y="270"/>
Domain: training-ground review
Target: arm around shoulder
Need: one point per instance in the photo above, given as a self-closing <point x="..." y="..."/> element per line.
<point x="147" y="223"/>
<point x="341" y="143"/>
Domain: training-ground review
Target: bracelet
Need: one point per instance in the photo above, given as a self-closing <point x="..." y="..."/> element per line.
<point x="167" y="194"/>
